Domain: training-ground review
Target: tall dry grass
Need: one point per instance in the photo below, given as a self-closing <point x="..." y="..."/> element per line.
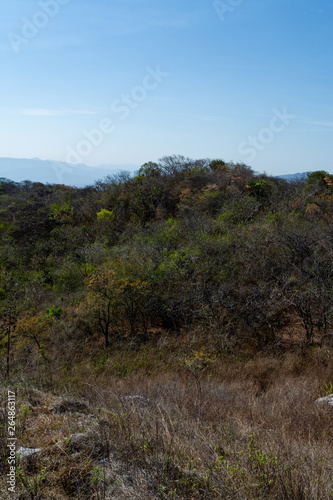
<point x="247" y="427"/>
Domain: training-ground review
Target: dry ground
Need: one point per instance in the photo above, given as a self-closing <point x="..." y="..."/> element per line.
<point x="243" y="428"/>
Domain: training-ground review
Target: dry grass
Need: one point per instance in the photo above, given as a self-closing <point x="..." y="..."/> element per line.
<point x="247" y="428"/>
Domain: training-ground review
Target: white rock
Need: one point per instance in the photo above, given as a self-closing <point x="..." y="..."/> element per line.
<point x="137" y="400"/>
<point x="327" y="400"/>
<point x="26" y="452"/>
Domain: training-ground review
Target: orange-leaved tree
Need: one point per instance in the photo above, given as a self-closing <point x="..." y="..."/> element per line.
<point x="33" y="328"/>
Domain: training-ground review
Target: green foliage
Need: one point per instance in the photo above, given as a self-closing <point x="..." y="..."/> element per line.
<point x="24" y="410"/>
<point x="32" y="485"/>
<point x="219" y="165"/>
<point x="101" y="362"/>
<point x="320" y="177"/>
<point x="97" y="475"/>
<point x="239" y="212"/>
<point x="68" y="277"/>
<point x="105" y="215"/>
<point x="259" y="190"/>
<point x="326" y="389"/>
<point x="139" y="178"/>
<point x="149" y="169"/>
<point x="53" y="312"/>
<point x="60" y="214"/>
<point x="180" y="243"/>
<point x="88" y="269"/>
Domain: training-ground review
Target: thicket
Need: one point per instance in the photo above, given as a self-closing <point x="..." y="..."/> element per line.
<point x="183" y="244"/>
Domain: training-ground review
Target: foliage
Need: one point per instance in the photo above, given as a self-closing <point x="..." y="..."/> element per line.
<point x="326" y="389"/>
<point x="54" y="312"/>
<point x="181" y="242"/>
<point x="105" y="215"/>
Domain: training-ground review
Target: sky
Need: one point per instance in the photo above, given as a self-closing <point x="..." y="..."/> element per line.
<point x="129" y="81"/>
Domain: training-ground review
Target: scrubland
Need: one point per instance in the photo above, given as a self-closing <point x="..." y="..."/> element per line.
<point x="167" y="335"/>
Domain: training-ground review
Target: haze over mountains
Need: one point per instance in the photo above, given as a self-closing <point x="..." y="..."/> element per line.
<point x="80" y="175"/>
<point x="56" y="172"/>
<point x="299" y="176"/>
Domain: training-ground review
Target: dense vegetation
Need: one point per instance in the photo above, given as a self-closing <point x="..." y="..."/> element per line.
<point x="200" y="262"/>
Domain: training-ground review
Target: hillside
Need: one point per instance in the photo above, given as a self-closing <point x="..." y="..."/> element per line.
<point x="167" y="334"/>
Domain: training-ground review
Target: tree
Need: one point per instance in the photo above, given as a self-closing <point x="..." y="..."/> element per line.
<point x="10" y="292"/>
<point x="150" y="169"/>
<point x="99" y="303"/>
<point x="34" y="328"/>
<point x="218" y="165"/>
<point x="132" y="296"/>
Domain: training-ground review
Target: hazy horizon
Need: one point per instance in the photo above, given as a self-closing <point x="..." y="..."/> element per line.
<point x="54" y="172"/>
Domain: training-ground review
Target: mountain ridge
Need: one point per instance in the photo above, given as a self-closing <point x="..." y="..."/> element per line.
<point x="57" y="172"/>
<point x="299" y="176"/>
<point x="79" y="175"/>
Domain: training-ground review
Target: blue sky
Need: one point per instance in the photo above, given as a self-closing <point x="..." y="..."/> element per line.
<point x="129" y="81"/>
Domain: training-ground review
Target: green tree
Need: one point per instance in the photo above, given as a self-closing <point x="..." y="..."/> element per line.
<point x="132" y="297"/>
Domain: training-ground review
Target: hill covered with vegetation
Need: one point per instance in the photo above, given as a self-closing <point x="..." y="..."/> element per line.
<point x="197" y="284"/>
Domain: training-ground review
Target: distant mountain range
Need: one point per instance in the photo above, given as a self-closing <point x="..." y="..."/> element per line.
<point x="56" y="172"/>
<point x="80" y="175"/>
<point x="294" y="177"/>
